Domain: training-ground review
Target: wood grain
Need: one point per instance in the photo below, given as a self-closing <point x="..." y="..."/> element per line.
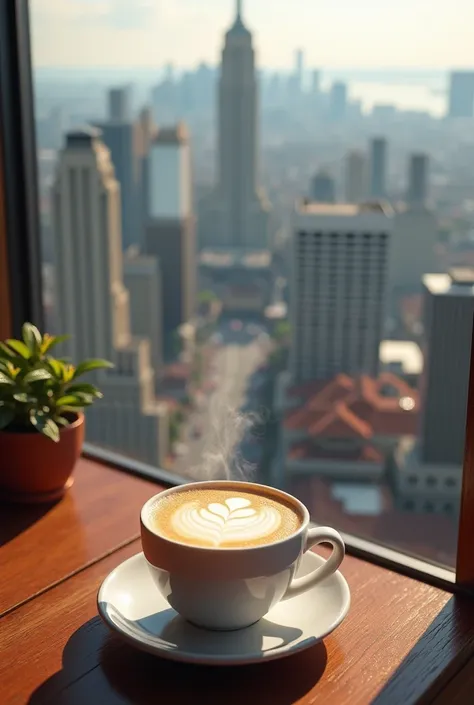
<point x="40" y="545"/>
<point x="459" y="690"/>
<point x="402" y="640"/>
<point x="465" y="554"/>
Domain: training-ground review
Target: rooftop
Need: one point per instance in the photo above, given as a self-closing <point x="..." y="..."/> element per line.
<point x="347" y="210"/>
<point x="458" y="282"/>
<point x="355" y="407"/>
<point x="228" y="258"/>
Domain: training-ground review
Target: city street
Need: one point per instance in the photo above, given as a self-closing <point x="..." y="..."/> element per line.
<point x="213" y="429"/>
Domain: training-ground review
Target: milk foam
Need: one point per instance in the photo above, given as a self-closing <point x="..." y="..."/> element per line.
<point x="234" y="520"/>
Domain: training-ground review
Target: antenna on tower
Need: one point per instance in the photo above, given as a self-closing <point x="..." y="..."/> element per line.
<point x="239" y="10"/>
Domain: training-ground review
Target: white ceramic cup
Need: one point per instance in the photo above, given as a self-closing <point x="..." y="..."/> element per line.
<point x="231" y="588"/>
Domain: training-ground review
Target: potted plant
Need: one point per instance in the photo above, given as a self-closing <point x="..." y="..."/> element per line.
<point x="41" y="416"/>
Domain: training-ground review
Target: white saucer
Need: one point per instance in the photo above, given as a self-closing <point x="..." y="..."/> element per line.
<point x="131" y="605"/>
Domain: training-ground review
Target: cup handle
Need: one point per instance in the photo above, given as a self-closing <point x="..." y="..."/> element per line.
<point x="319" y="534"/>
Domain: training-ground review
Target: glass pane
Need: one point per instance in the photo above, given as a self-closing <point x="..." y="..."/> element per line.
<point x="278" y="258"/>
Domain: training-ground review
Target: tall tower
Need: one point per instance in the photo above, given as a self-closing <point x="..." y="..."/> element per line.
<point x="378" y="167"/>
<point x="355" y="177"/>
<point x="237" y="215"/>
<point x="339" y="278"/>
<point x="418" y="180"/>
<point x="170" y="233"/>
<point x="93" y="303"/>
<point x="461" y="94"/>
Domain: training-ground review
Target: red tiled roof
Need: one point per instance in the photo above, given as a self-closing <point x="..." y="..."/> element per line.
<point x="307" y="450"/>
<point x="354" y="407"/>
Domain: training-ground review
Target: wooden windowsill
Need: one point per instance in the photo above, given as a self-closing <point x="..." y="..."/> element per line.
<point x="402" y="642"/>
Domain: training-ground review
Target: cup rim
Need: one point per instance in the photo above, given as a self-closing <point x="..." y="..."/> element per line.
<point x="144" y="513"/>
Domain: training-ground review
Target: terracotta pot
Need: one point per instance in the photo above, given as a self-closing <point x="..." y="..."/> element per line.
<point x="35" y="469"/>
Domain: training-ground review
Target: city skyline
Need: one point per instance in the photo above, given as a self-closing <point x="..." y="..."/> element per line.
<point x="107" y="32"/>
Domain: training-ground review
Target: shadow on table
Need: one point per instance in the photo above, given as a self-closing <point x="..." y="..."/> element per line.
<point x="16" y="518"/>
<point x="98" y="667"/>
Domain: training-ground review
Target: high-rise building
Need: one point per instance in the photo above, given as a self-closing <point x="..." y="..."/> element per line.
<point x="356" y="177"/>
<point x="170" y="227"/>
<point x="237" y="213"/>
<point x="339" y="275"/>
<point x="93" y="303"/>
<point x="338" y="101"/>
<point x="118" y="135"/>
<point x="299" y="68"/>
<point x="323" y="188"/>
<point x="378" y="168"/>
<point x="417" y="192"/>
<point x="145" y="132"/>
<point x="448" y="315"/>
<point x="119" y="104"/>
<point x="461" y="94"/>
<point x="315" y="82"/>
<point x="142" y="278"/>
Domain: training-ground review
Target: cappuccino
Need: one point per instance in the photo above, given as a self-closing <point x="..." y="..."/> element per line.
<point x="224" y="518"/>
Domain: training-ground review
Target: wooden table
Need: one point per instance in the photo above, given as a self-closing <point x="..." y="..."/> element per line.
<point x="403" y="642"/>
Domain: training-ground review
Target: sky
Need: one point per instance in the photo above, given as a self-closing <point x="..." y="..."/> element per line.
<point x="334" y="33"/>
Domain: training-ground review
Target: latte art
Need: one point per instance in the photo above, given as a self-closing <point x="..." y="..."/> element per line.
<point x="224" y="518"/>
<point x="233" y="521"/>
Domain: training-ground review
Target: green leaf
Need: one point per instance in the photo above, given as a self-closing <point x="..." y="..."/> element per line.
<point x="62" y="420"/>
<point x="19" y="347"/>
<point x="6" y="416"/>
<point x="51" y="341"/>
<point x="45" y="425"/>
<point x="56" y="367"/>
<point x="4" y="379"/>
<point x="69" y="400"/>
<point x="89" y="365"/>
<point x="32" y="337"/>
<point x="36" y="376"/>
<point x="84" y="387"/>
<point x="5" y="351"/>
<point x="24" y="398"/>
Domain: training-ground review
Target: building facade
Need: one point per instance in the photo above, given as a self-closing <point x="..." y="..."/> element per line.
<point x="378" y="168"/>
<point x="93" y="303"/>
<point x="170" y="233"/>
<point x="338" y="285"/>
<point x="323" y="188"/>
<point x="461" y="94"/>
<point x="236" y="215"/>
<point x="417" y="192"/>
<point x="356" y="177"/>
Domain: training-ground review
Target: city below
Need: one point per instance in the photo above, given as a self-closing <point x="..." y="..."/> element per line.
<point x="282" y="276"/>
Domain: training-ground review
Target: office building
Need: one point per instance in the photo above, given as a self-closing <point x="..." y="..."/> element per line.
<point x="461" y="94"/>
<point x="145" y="131"/>
<point x="237" y="214"/>
<point x="323" y="188"/>
<point x="448" y="315"/>
<point x="378" y="168"/>
<point x="338" y="101"/>
<point x="315" y="82"/>
<point x="93" y="303"/>
<point x="142" y="278"/>
<point x="417" y="192"/>
<point x="356" y="177"/>
<point x="119" y="104"/>
<point x="118" y="136"/>
<point x="339" y="278"/>
<point x="299" y="69"/>
<point x="170" y="231"/>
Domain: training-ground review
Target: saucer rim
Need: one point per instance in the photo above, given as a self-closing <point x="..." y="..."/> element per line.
<point x="216" y="659"/>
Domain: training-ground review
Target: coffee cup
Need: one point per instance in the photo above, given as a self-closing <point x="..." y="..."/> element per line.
<point x="223" y="553"/>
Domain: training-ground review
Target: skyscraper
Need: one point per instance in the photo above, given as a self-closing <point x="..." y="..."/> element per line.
<point x="378" y="167"/>
<point x="117" y="133"/>
<point x="417" y="192"/>
<point x="170" y="226"/>
<point x="237" y="213"/>
<point x="119" y="104"/>
<point x="448" y="312"/>
<point x="299" y="68"/>
<point x="339" y="277"/>
<point x="93" y="304"/>
<point x="356" y="177"/>
<point x="323" y="188"/>
<point x="461" y="94"/>
<point x="338" y="101"/>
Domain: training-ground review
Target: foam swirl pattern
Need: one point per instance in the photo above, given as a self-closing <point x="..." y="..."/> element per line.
<point x="233" y="521"/>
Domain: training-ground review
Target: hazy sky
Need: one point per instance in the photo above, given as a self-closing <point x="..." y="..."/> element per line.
<point x="359" y="33"/>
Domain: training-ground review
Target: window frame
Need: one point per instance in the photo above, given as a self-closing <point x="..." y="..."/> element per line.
<point x="20" y="295"/>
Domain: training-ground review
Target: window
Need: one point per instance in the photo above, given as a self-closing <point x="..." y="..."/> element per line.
<point x="144" y="299"/>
